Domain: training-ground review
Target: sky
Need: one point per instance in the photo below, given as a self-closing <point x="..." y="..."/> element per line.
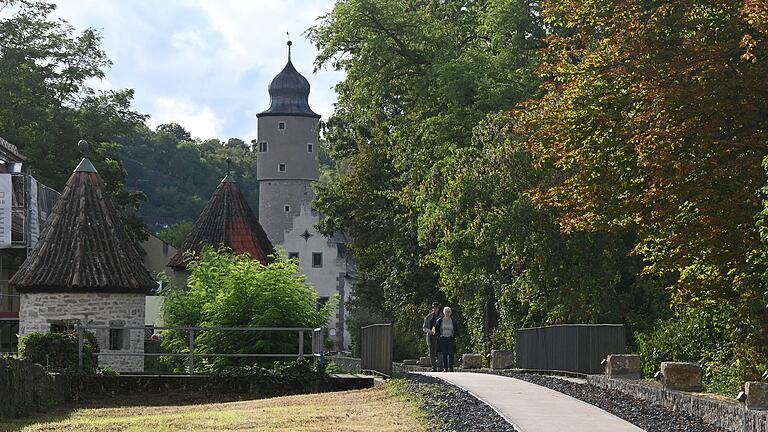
<point x="204" y="64"/>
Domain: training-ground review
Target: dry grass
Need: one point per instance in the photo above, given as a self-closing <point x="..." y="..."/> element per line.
<point x="379" y="409"/>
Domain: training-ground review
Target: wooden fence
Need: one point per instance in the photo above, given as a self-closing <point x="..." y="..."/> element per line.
<point x="571" y="347"/>
<point x="376" y="348"/>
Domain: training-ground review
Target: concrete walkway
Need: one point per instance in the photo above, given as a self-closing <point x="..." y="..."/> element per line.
<point x="533" y="408"/>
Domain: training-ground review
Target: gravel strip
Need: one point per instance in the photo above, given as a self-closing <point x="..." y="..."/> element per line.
<point x="641" y="413"/>
<point x="452" y="409"/>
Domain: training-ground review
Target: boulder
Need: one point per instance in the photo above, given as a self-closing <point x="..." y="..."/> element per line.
<point x="471" y="361"/>
<point x="625" y="366"/>
<point x="411" y="362"/>
<point x="681" y="376"/>
<point x="502" y="359"/>
<point x="757" y="395"/>
<point x="425" y="362"/>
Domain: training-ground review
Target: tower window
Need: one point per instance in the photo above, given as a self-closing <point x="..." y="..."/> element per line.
<point x="321" y="301"/>
<point x="317" y="259"/>
<point x="287" y="208"/>
<point x="281" y="167"/>
<point x="310" y="147"/>
<point x="263" y="147"/>
<point x="281" y="125"/>
<point x="293" y="255"/>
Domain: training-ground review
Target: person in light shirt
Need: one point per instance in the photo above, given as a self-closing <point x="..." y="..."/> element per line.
<point x="447" y="328"/>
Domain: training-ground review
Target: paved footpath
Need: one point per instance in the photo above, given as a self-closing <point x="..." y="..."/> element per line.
<point x="533" y="408"/>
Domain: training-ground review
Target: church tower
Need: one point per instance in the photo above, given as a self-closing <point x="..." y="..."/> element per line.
<point x="287" y="161"/>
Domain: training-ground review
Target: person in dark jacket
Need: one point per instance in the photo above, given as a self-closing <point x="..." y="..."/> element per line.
<point x="447" y="329"/>
<point x="433" y="339"/>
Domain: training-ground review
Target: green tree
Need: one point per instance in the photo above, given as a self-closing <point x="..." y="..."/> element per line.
<point x="175" y="234"/>
<point x="228" y="290"/>
<point x="419" y="78"/>
<point x="46" y="106"/>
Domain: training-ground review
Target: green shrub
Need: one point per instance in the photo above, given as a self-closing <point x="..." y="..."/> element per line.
<point x="705" y="338"/>
<point x="58" y="351"/>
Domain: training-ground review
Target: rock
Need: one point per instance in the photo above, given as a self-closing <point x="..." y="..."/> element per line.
<point x="757" y="395"/>
<point x="623" y="366"/>
<point x="411" y="362"/>
<point x="425" y="362"/>
<point x="471" y="361"/>
<point x="501" y="359"/>
<point x="681" y="376"/>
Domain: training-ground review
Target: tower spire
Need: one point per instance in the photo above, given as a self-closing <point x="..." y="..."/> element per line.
<point x="289" y="45"/>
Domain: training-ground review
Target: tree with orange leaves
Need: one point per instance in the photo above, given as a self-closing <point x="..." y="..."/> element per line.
<point x="656" y="122"/>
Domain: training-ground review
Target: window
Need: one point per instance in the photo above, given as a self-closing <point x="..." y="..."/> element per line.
<point x="281" y="167"/>
<point x="263" y="147"/>
<point x="321" y="302"/>
<point x="293" y="255"/>
<point x="116" y="338"/>
<point x="310" y="147"/>
<point x="287" y="209"/>
<point x="317" y="259"/>
<point x="281" y="125"/>
<point x="60" y="327"/>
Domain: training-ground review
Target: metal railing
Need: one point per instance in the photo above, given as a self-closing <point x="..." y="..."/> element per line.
<point x="316" y="334"/>
<point x="376" y="348"/>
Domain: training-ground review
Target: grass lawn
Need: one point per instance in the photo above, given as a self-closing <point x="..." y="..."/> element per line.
<point x="382" y="409"/>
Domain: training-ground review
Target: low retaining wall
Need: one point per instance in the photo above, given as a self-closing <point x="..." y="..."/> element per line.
<point x="206" y="385"/>
<point x="26" y="388"/>
<point x="730" y="416"/>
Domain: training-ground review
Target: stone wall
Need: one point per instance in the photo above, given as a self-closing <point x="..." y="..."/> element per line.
<point x="39" y="310"/>
<point x="26" y="388"/>
<point x="729" y="416"/>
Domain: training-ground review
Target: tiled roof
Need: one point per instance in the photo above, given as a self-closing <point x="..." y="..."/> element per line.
<point x="84" y="246"/>
<point x="227" y="220"/>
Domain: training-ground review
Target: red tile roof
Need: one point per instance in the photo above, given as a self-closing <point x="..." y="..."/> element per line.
<point x="227" y="220"/>
<point x="84" y="246"/>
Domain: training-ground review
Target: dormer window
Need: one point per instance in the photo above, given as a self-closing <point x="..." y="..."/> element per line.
<point x="281" y="167"/>
<point x="310" y="147"/>
<point x="263" y="147"/>
<point x="281" y="125"/>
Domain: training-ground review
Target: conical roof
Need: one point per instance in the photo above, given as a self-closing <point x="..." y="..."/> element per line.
<point x="289" y="93"/>
<point x="84" y="246"/>
<point x="227" y="220"/>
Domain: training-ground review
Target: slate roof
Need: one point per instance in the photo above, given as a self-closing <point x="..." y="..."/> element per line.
<point x="84" y="246"/>
<point x="226" y="220"/>
<point x="289" y="94"/>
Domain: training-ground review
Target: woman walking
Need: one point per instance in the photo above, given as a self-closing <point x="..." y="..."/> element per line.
<point x="446" y="327"/>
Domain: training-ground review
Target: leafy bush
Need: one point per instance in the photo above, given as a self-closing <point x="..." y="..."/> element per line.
<point x="58" y="351"/>
<point x="279" y="372"/>
<point x="228" y="290"/>
<point x="706" y="337"/>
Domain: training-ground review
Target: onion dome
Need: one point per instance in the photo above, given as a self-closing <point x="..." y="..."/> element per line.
<point x="289" y="93"/>
<point x="84" y="246"/>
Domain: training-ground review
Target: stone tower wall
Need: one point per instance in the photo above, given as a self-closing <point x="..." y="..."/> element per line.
<point x="38" y="311"/>
<point x="292" y="187"/>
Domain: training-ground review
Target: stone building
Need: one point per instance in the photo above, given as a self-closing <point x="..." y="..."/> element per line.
<point x="227" y="220"/>
<point x="85" y="269"/>
<point x="287" y="167"/>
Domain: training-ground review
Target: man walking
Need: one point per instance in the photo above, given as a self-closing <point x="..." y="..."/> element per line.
<point x="433" y="339"/>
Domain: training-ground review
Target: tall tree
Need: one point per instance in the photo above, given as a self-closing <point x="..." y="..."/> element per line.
<point x="656" y="120"/>
<point x="420" y="76"/>
<point x="46" y="106"/>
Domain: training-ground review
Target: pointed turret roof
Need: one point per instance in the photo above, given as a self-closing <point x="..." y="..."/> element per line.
<point x="289" y="93"/>
<point x="226" y="220"/>
<point x="84" y="246"/>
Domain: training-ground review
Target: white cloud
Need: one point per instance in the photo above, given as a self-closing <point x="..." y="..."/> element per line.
<point x="200" y="121"/>
<point x="214" y="55"/>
